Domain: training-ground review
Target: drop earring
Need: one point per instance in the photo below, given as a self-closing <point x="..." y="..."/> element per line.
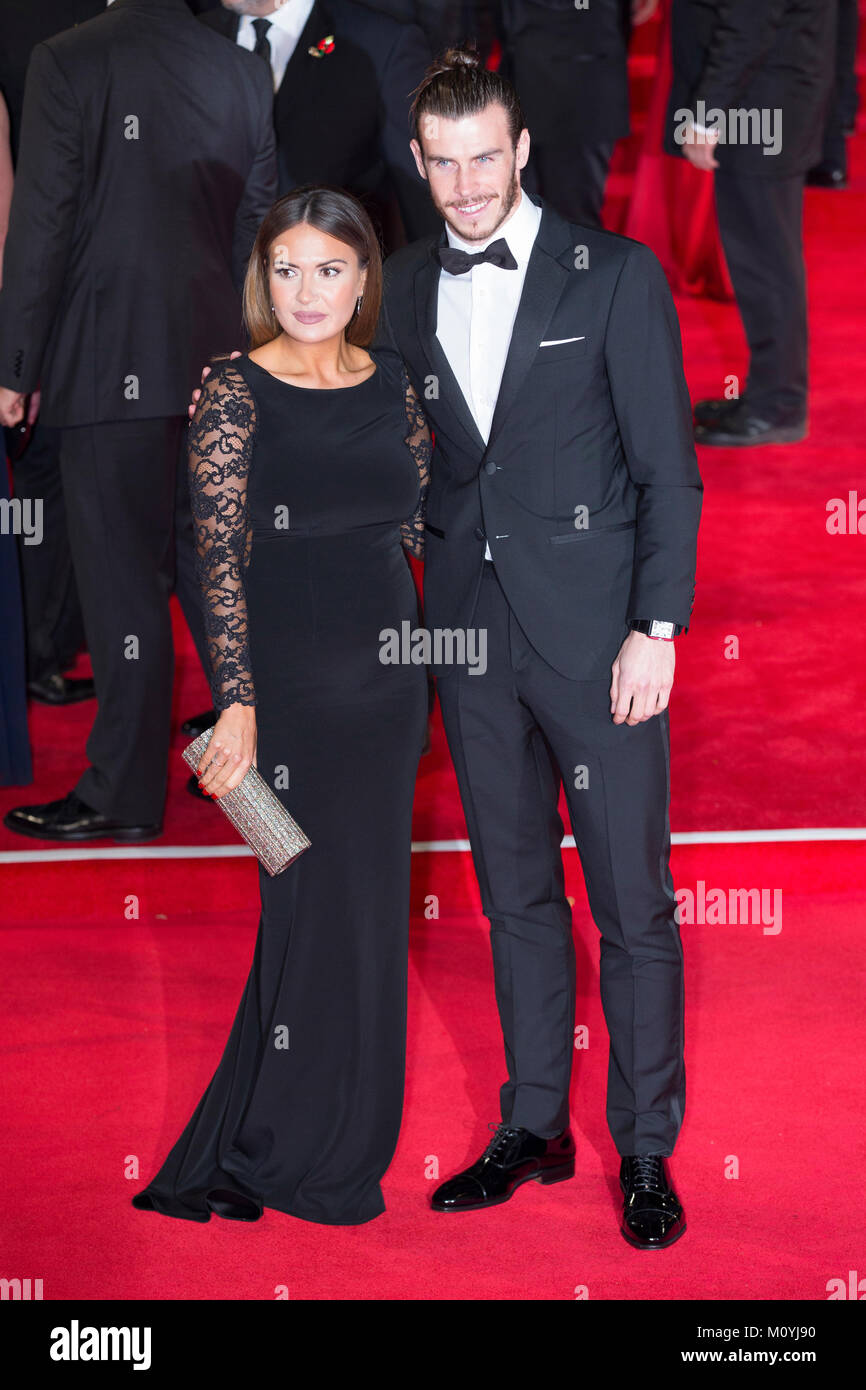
<point x="358" y="302"/>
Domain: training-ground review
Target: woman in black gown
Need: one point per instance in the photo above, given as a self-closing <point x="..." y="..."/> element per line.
<point x="309" y="461"/>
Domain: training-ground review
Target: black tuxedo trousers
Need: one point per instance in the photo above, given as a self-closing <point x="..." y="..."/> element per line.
<point x="515" y="732"/>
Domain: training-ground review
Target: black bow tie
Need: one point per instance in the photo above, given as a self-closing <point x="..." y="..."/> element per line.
<point x="457" y="262"/>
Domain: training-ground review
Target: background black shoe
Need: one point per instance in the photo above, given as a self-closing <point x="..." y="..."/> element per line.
<point x="712" y="412"/>
<point x="744" y="427"/>
<point x="652" y="1215"/>
<point x="61" y="690"/>
<point x="72" y="819"/>
<point x="512" y="1157"/>
<point x="827" y="176"/>
<point x="199" y="723"/>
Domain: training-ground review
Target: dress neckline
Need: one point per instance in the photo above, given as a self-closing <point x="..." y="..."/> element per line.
<point x="312" y="390"/>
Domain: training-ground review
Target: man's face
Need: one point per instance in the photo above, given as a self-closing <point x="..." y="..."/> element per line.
<point x="253" y="7"/>
<point x="472" y="169"/>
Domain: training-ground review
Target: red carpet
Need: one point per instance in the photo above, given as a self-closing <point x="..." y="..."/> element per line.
<point x="114" y="1028"/>
<point x="116" y="1022"/>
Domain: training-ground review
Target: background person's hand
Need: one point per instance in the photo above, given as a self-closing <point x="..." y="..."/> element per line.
<point x="642" y="678"/>
<point x="205" y="373"/>
<point x="699" y="146"/>
<point x="230" y="751"/>
<point x="11" y="407"/>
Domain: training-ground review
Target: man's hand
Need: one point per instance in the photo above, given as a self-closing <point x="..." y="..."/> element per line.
<point x="205" y="373"/>
<point x="11" y="407"/>
<point x="698" y="148"/>
<point x="643" y="675"/>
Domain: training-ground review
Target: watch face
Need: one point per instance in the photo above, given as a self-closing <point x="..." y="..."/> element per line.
<point x="658" y="629"/>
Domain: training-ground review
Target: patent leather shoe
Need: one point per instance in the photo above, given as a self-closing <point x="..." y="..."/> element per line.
<point x="652" y="1214"/>
<point x="513" y="1156"/>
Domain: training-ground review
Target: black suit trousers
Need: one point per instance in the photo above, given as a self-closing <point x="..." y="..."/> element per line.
<point x="572" y="177"/>
<point x="52" y="613"/>
<point x="514" y="733"/>
<point x="119" y="486"/>
<point x="761" y="228"/>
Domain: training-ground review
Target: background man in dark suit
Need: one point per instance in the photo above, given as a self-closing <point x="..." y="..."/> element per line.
<point x="53" y="625"/>
<point x="570" y="68"/>
<point x="777" y="61"/>
<point x="369" y="71"/>
<point x="147" y="160"/>
<point x="562" y="520"/>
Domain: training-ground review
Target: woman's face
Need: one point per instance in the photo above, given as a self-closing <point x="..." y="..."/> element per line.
<point x="314" y="281"/>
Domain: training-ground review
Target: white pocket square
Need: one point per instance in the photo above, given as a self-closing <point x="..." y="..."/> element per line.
<point x="554" y="342"/>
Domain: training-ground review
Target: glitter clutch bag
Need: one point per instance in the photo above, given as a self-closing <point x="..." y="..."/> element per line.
<point x="259" y="816"/>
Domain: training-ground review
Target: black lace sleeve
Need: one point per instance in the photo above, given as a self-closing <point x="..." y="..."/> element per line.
<point x="220" y="442"/>
<point x="420" y="444"/>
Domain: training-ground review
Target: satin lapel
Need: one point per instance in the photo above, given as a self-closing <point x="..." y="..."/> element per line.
<point x="426" y="316"/>
<point x="546" y="276"/>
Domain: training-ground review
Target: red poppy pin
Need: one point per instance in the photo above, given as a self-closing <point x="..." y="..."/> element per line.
<point x="324" y="46"/>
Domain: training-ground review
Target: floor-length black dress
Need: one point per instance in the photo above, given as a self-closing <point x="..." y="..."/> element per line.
<point x="305" y="503"/>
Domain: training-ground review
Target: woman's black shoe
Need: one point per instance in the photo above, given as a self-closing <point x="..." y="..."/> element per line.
<point x="512" y="1157"/>
<point x="652" y="1216"/>
<point x="231" y="1205"/>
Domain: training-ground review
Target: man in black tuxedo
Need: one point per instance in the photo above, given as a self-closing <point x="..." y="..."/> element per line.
<point x="147" y="160"/>
<point x="749" y="98"/>
<point x="340" y="117"/>
<point x="562" y="521"/>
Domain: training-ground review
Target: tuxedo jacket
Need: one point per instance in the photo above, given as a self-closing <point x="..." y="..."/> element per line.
<point x="774" y="55"/>
<point x="570" y="68"/>
<point x="588" y="488"/>
<point x="344" y="118"/>
<point x="146" y="164"/>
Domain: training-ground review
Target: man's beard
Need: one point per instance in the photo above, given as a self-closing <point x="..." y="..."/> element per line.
<point x="509" y="199"/>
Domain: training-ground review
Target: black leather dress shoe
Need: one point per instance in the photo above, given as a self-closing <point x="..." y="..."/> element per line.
<point x="827" y="176"/>
<point x="71" y="819"/>
<point x="743" y="427"/>
<point x="61" y="690"/>
<point x="652" y="1216"/>
<point x="512" y="1157"/>
<point x="712" y="412"/>
<point x="199" y="723"/>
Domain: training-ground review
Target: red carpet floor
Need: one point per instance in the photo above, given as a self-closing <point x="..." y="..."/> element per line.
<point x="115" y="1025"/>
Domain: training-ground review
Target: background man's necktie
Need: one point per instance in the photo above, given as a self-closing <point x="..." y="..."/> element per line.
<point x="262" y="47"/>
<point x="456" y="261"/>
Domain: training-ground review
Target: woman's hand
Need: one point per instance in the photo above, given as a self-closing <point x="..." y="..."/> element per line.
<point x="230" y="752"/>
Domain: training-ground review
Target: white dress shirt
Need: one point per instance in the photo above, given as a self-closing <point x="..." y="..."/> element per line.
<point x="287" y="24"/>
<point x="476" y="313"/>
